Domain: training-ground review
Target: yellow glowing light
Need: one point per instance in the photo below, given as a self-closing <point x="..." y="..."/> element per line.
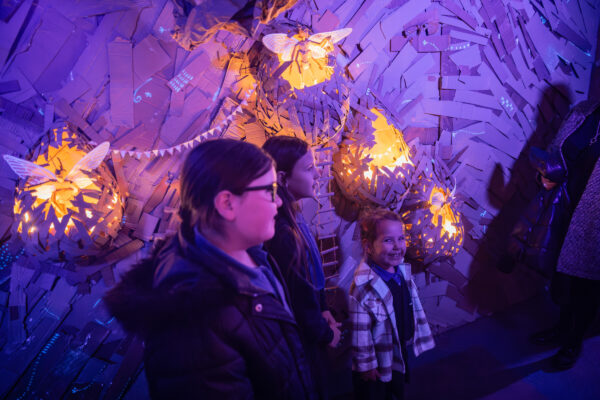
<point x="17" y="207"/>
<point x="440" y="207"/>
<point x="88" y="213"/>
<point x="390" y="149"/>
<point x="70" y="224"/>
<point x="26" y="217"/>
<point x="56" y="177"/>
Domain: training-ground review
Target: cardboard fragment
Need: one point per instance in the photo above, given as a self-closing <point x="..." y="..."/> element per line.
<point x="149" y="58"/>
<point x="120" y="60"/>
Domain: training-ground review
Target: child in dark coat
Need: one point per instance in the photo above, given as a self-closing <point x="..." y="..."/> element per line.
<point x="296" y="252"/>
<point x="212" y="310"/>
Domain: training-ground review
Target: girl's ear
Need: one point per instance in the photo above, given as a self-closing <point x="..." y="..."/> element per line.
<point x="225" y="203"/>
<point x="281" y="178"/>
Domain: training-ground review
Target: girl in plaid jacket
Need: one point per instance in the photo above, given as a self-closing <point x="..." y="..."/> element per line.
<point x="385" y="310"/>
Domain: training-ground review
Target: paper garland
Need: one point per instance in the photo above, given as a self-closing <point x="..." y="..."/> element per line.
<point x="190" y="143"/>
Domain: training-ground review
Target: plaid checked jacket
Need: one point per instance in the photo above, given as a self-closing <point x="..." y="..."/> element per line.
<point x="374" y="331"/>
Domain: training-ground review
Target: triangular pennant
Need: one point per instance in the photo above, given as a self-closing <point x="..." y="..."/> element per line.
<point x="147" y="154"/>
<point x="123" y="152"/>
<point x="170" y="150"/>
<point x="155" y="152"/>
<point x="178" y="148"/>
<point x="162" y="152"/>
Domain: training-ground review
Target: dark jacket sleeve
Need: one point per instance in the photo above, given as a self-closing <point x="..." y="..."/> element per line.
<point x="323" y="300"/>
<point x="305" y="300"/>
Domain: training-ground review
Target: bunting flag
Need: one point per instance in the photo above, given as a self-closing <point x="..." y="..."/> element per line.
<point x="192" y="142"/>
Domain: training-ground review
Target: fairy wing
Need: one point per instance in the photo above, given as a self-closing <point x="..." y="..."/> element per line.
<point x="280" y="44"/>
<point x="335" y="36"/>
<point x="26" y="169"/>
<point x="87" y="163"/>
<point x="316" y="51"/>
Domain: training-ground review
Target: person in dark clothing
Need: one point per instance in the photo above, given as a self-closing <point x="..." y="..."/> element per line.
<point x="536" y="239"/>
<point x="296" y="252"/>
<point x="210" y="307"/>
<point x="575" y="286"/>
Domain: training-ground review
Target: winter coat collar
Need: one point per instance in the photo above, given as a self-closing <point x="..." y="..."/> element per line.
<point x="205" y="257"/>
<point x="191" y="279"/>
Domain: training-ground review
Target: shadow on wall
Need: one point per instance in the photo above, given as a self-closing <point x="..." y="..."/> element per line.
<point x="491" y="289"/>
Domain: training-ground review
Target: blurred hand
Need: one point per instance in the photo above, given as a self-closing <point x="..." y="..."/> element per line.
<point x="371" y="375"/>
<point x="328" y="317"/>
<point x="334" y="325"/>
<point x="336" y="336"/>
<point x="548" y="184"/>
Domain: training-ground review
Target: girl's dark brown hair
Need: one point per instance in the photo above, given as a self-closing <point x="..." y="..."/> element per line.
<point x="370" y="220"/>
<point x="211" y="167"/>
<point x="286" y="151"/>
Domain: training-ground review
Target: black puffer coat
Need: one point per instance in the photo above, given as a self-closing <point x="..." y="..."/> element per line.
<point x="538" y="235"/>
<point x="210" y="333"/>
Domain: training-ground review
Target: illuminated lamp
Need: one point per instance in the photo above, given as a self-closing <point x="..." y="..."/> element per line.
<point x="374" y="166"/>
<point x="301" y="90"/>
<point x="430" y="213"/>
<point x="67" y="205"/>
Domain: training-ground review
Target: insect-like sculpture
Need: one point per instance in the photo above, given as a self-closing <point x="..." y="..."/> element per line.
<point x="68" y="207"/>
<point x="307" y="54"/>
<point x="59" y="191"/>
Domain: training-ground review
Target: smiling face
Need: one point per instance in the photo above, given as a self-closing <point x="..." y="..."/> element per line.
<point x="389" y="246"/>
<point x="254" y="222"/>
<point x="302" y="181"/>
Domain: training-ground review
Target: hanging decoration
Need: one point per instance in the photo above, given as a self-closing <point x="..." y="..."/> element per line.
<point x="430" y="212"/>
<point x="374" y="165"/>
<point x="306" y="58"/>
<point x="212" y="132"/>
<point x="67" y="205"/>
<point x="301" y="90"/>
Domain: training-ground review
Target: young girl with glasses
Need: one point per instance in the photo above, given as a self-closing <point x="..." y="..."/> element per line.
<point x="213" y="313"/>
<point x="296" y="252"/>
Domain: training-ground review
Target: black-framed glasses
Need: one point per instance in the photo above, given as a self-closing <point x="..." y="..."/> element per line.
<point x="272" y="188"/>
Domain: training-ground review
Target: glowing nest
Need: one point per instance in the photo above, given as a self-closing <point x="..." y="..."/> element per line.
<point x="433" y="223"/>
<point x="374" y="163"/>
<point x="63" y="220"/>
<point x="306" y="96"/>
